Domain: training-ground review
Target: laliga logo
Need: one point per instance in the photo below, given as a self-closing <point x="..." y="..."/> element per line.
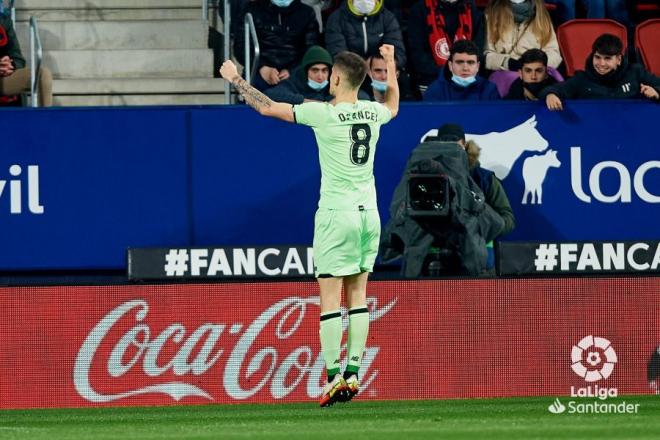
<point x="590" y="349"/>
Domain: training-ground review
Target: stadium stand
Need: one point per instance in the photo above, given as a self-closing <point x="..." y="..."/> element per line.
<point x="137" y="52"/>
<point x="483" y="3"/>
<point x="576" y="36"/>
<point x="647" y="42"/>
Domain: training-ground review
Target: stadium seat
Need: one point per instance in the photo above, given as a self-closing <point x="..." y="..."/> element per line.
<point x="577" y="36"/>
<point x="647" y="42"/>
<point x="647" y="6"/>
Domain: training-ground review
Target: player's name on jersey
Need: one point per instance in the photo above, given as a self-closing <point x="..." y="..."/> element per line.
<point x="226" y="262"/>
<point x="359" y="116"/>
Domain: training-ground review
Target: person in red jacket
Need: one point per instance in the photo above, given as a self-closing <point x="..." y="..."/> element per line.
<point x="434" y="27"/>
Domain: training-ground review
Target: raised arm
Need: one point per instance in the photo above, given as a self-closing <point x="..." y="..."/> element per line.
<point x="392" y="93"/>
<point x="253" y="97"/>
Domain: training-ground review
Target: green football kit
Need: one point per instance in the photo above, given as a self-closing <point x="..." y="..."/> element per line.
<point x="346" y="225"/>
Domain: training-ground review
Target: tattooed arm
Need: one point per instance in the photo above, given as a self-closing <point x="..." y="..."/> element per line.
<point x="253" y="97"/>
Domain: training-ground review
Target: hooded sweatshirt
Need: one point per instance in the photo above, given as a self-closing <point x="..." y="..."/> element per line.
<point x="295" y="89"/>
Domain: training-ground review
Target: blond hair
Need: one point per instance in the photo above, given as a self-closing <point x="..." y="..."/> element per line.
<point x="473" y="151"/>
<point x="500" y="21"/>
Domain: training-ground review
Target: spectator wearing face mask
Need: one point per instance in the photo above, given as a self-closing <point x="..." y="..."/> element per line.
<point x="515" y="26"/>
<point x="459" y="81"/>
<point x="362" y="26"/>
<point x="434" y="26"/>
<point x="285" y="29"/>
<point x="534" y="77"/>
<point x="376" y="81"/>
<point x="308" y="82"/>
<point x="377" y="73"/>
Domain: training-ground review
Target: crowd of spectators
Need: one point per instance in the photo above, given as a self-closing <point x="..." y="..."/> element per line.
<point x="453" y="48"/>
<point x="446" y="50"/>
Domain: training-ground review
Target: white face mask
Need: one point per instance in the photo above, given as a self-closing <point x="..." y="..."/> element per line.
<point x="463" y="82"/>
<point x="316" y="85"/>
<point x="281" y="3"/>
<point x="380" y="86"/>
<point x="364" y="6"/>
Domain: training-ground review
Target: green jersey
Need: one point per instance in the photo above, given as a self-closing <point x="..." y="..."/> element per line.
<point x="346" y="135"/>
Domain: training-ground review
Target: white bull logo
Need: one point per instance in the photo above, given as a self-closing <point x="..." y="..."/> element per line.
<point x="534" y="170"/>
<point x="500" y="150"/>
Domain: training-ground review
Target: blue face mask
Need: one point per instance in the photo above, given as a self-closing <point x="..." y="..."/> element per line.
<point x="281" y="3"/>
<point x="463" y="82"/>
<point x="380" y="86"/>
<point x="316" y="86"/>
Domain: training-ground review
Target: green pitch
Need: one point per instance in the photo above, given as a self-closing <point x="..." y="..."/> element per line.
<point x="516" y="418"/>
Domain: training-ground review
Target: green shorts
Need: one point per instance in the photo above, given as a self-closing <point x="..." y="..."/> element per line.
<point x="345" y="242"/>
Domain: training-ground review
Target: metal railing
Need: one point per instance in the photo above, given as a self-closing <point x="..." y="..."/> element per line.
<point x="10" y="7"/>
<point x="36" y="55"/>
<point x="205" y="9"/>
<point x="250" y="31"/>
<point x="226" y="23"/>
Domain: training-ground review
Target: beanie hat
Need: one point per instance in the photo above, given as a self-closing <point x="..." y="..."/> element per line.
<point x="314" y="55"/>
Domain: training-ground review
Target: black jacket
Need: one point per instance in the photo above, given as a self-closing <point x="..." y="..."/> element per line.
<point x="470" y="224"/>
<point x="364" y="34"/>
<point x="11" y="47"/>
<point x="517" y="90"/>
<point x="284" y="33"/>
<point x="422" y="62"/>
<point x="623" y="83"/>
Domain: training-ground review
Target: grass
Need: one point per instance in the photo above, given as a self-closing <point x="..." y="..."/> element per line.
<point x="512" y="418"/>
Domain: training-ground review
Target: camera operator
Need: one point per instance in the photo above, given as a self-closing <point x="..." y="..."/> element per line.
<point x="478" y="211"/>
<point x="491" y="186"/>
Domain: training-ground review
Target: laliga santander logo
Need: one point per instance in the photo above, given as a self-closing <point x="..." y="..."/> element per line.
<point x="200" y="349"/>
<point x="593" y="358"/>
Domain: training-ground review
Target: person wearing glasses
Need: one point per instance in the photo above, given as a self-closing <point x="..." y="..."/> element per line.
<point x="459" y="80"/>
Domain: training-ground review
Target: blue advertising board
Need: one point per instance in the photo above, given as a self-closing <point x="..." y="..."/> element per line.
<point x="85" y="184"/>
<point x="92" y="182"/>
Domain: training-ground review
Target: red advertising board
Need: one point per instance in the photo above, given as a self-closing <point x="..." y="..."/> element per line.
<point x="258" y="342"/>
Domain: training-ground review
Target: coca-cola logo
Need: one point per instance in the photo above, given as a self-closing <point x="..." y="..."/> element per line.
<point x="197" y="351"/>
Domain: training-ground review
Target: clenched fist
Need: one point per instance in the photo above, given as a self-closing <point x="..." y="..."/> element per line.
<point x="228" y="70"/>
<point x="387" y="51"/>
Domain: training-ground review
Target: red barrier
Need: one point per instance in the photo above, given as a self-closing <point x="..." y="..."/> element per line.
<point x="258" y="342"/>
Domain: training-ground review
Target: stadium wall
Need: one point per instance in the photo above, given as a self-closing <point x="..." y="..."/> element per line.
<point x="79" y="186"/>
<point x="258" y="342"/>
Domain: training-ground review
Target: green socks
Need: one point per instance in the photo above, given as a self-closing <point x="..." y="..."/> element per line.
<point x="358" y="329"/>
<point x="330" y="332"/>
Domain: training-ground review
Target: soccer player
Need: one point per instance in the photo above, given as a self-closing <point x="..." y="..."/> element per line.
<point x="346" y="225"/>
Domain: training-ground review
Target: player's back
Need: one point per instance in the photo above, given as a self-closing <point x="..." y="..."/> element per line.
<point x="346" y="134"/>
